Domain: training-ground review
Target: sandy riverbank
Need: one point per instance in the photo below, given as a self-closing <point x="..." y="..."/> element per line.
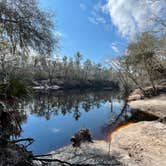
<point x="138" y="144"/>
<point x="155" y="105"/>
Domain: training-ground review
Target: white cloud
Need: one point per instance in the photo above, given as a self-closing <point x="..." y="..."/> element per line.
<point x="82" y="6"/>
<point x="114" y="47"/>
<point x="98" y="6"/>
<point x="97" y="16"/>
<point x="55" y="130"/>
<point x="132" y="16"/>
<point x="96" y="19"/>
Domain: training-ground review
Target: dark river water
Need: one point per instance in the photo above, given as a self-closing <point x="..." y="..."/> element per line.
<point x="51" y="119"/>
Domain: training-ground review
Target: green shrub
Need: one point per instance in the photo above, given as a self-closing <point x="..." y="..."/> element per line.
<point x="16" y="87"/>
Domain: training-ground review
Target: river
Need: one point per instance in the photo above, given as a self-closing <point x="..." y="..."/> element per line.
<point x="51" y="119"/>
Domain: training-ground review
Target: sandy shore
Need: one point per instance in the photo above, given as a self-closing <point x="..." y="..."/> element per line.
<point x="155" y="106"/>
<point x="138" y="144"/>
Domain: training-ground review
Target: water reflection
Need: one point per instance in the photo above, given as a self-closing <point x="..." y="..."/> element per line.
<point x="51" y="119"/>
<point x="69" y="102"/>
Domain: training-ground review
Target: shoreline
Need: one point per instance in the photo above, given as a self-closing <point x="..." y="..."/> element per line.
<point x="48" y="89"/>
<point x="155" y="106"/>
<point x="138" y="144"/>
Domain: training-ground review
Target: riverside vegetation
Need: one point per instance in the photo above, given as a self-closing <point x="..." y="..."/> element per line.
<point x="27" y="46"/>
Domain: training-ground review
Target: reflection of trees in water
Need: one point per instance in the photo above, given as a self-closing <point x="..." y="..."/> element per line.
<point x="45" y="106"/>
<point x="116" y="119"/>
<point x="11" y="117"/>
<point x="68" y="102"/>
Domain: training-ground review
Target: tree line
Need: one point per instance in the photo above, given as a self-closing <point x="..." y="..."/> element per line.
<point x="40" y="70"/>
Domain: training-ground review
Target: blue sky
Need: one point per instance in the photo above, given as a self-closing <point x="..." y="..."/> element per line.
<point x="99" y="29"/>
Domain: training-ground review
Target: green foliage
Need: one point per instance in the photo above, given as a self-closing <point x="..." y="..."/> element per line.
<point x="16" y="87"/>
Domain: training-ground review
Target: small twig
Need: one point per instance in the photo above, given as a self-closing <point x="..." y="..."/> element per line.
<point x="109" y="147"/>
<point x="30" y="140"/>
<point x="52" y="160"/>
<point x="42" y="155"/>
<point x="25" y="139"/>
